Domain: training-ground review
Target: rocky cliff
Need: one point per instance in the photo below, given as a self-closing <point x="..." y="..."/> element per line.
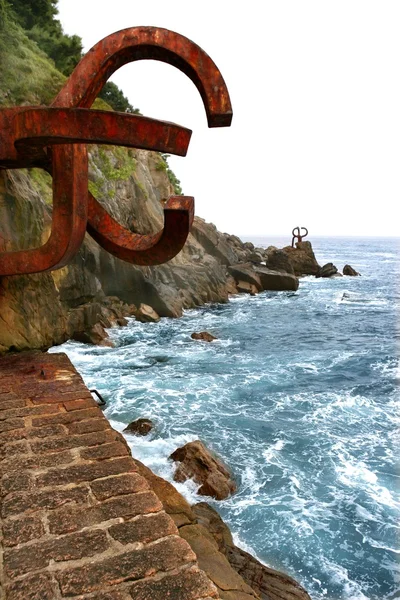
<point x="41" y="310"/>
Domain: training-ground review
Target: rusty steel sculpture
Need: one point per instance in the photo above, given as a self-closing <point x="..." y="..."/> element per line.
<point x="54" y="138"/>
<point x="298" y="235"/>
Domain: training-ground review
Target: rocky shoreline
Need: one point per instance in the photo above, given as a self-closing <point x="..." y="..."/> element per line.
<point x="236" y="573"/>
<point x="97" y="290"/>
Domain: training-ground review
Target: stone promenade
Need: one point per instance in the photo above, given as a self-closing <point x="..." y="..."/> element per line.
<point x="78" y="520"/>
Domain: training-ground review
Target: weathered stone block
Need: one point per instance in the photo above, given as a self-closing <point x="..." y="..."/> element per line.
<point x="186" y="585"/>
<point x="119" y="485"/>
<point x="170" y="553"/>
<point x="19" y="531"/>
<point x="144" y="529"/>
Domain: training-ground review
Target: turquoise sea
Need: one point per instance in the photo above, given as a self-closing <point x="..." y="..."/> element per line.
<point x="300" y="397"/>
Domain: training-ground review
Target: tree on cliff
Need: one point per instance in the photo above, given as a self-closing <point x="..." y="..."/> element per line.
<point x="38" y="19"/>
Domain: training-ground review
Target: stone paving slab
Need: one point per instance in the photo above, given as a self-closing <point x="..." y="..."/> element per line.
<point x="78" y="520"/>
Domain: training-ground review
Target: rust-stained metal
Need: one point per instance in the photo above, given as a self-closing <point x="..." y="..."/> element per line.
<point x="298" y="235"/>
<point x="55" y="139"/>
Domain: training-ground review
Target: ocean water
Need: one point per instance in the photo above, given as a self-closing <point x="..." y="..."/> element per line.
<point x="300" y="396"/>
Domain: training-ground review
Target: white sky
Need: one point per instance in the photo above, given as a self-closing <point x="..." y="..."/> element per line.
<point x="315" y="89"/>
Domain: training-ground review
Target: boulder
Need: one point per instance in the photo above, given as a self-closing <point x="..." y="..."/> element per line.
<point x="204" y="336"/>
<point x="302" y="259"/>
<point x="213" y="242"/>
<point x="348" y="270"/>
<point x="268" y="583"/>
<point x="146" y="314"/>
<point x="278" y="260"/>
<point x="248" y="246"/>
<point x="211" y="540"/>
<point x="229" y="583"/>
<point x="276" y="280"/>
<point x="328" y="270"/>
<point x="256" y="257"/>
<point x="197" y="463"/>
<point x="173" y="502"/>
<point x="244" y="287"/>
<point x="122" y="322"/>
<point x="140" y="427"/>
<point x="95" y="335"/>
<point x="245" y="272"/>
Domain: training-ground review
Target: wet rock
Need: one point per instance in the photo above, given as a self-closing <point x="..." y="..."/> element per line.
<point x="205" y="336"/>
<point x="122" y="322"/>
<point x="268" y="583"/>
<point x="302" y="259"/>
<point x="96" y="335"/>
<point x="173" y="502"/>
<point x="348" y="270"/>
<point x="244" y="287"/>
<point x="196" y="462"/>
<point x="276" y="280"/>
<point x="146" y="314"/>
<point x="328" y="270"/>
<point x="245" y="272"/>
<point x="140" y="427"/>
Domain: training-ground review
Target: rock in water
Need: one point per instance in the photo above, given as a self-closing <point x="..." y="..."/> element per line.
<point x="328" y="270"/>
<point x="348" y="270"/>
<point x="140" y="427"/>
<point x="276" y="280"/>
<point x="204" y="336"/>
<point x="278" y="260"/>
<point x="244" y="287"/>
<point x="146" y="314"/>
<point x="95" y="335"/>
<point x="196" y="462"/>
<point x="302" y="259"/>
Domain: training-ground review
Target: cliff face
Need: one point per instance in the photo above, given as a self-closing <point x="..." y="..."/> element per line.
<point x="45" y="309"/>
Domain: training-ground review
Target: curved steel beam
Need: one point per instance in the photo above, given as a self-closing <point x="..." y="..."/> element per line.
<point x="145" y="249"/>
<point x="138" y="43"/>
<point x="97" y="66"/>
<point x="69" y="218"/>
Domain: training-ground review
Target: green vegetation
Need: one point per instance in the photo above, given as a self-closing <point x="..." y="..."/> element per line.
<point x="43" y="184"/>
<point x="163" y="165"/>
<point x="36" y="56"/>
<point x="38" y="20"/>
<point x="27" y="75"/>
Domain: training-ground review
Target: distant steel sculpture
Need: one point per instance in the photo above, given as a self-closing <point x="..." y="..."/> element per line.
<point x="54" y="138"/>
<point x="298" y="234"/>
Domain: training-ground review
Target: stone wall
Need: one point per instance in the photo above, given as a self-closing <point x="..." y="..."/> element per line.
<point x="78" y="520"/>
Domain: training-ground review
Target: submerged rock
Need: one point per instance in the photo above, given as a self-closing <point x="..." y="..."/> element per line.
<point x="204" y="336"/>
<point x="140" y="427"/>
<point x="196" y="462"/>
<point x="328" y="270"/>
<point x="348" y="270"/>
